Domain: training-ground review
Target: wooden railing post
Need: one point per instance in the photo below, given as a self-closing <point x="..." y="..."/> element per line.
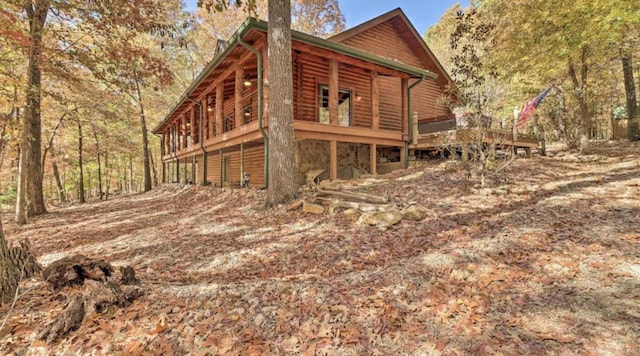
<point x="239" y="86"/>
<point x="333" y="91"/>
<point x="375" y="101"/>
<point x="219" y="107"/>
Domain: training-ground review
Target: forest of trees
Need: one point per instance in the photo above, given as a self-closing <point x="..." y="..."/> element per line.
<point x="83" y="82"/>
<point x="503" y="53"/>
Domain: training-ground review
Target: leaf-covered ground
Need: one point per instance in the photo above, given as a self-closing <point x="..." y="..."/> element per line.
<point x="547" y="260"/>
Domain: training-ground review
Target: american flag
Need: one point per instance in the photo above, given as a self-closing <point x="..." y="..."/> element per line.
<point x="530" y="107"/>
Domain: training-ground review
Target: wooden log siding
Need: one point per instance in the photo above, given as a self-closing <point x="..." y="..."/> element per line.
<point x="385" y="41"/>
<point x="426" y="99"/>
<point x="390" y="103"/>
<point x="253" y="164"/>
<point x="314" y="71"/>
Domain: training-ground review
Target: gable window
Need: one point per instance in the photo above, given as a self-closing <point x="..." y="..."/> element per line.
<point x="345" y="103"/>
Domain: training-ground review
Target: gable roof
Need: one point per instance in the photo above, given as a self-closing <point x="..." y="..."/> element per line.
<point x="253" y="24"/>
<point x="395" y="13"/>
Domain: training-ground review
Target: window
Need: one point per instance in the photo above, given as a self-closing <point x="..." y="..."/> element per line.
<point x="344" y="106"/>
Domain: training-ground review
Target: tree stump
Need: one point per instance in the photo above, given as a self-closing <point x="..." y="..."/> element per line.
<point x="102" y="290"/>
<point x="73" y="270"/>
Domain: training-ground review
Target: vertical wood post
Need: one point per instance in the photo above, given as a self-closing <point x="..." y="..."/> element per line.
<point x="221" y="169"/>
<point x="404" y="83"/>
<point x="184" y="131"/>
<point x="192" y="124"/>
<point x="239" y="86"/>
<point x="375" y="101"/>
<point x="265" y="86"/>
<point x="415" y="128"/>
<point x="241" y="163"/>
<point x="333" y="91"/>
<point x="403" y="157"/>
<point x="333" y="153"/>
<point x="374" y="158"/>
<point x="219" y="107"/>
<point x="206" y="129"/>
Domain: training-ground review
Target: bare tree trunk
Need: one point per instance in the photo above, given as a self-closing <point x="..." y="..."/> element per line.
<point x="632" y="103"/>
<point x="95" y="136"/>
<point x="130" y="176"/>
<point x="30" y="163"/>
<point x="282" y="182"/>
<point x="50" y="141"/>
<point x="21" y="194"/>
<point x="56" y="174"/>
<point x="145" y="141"/>
<point x="581" y="92"/>
<point x="107" y="175"/>
<point x="9" y="272"/>
<point x="153" y="168"/>
<point x="81" y="197"/>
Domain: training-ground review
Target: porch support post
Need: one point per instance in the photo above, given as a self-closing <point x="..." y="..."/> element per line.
<point x="333" y="148"/>
<point x="192" y="124"/>
<point x="206" y="130"/>
<point x="241" y="162"/>
<point x="184" y="131"/>
<point x="221" y="169"/>
<point x="265" y="86"/>
<point x="239" y="86"/>
<point x="403" y="156"/>
<point x="164" y="171"/>
<point x="194" y="176"/>
<point x="185" y="170"/>
<point x="219" y="107"/>
<point x="375" y="101"/>
<point x="374" y="158"/>
<point x="405" y="105"/>
<point x="177" y="170"/>
<point x="333" y="91"/>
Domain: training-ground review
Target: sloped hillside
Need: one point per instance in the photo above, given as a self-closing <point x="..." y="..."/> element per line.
<point x="545" y="260"/>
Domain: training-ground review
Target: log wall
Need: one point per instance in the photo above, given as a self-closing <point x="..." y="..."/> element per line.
<point x="386" y="40"/>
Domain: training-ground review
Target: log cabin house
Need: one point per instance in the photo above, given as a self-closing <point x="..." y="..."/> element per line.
<point x="359" y="100"/>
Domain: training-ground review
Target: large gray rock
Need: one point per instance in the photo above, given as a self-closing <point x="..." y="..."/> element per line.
<point x="414" y="212"/>
<point x="383" y="219"/>
<point x="312" y="208"/>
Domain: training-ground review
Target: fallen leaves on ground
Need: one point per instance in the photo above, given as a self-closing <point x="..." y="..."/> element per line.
<point x="543" y="261"/>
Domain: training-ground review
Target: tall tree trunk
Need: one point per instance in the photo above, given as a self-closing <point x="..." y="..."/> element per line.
<point x="9" y="272"/>
<point x="580" y="91"/>
<point x="31" y="169"/>
<point x="81" y="197"/>
<point x="130" y="176"/>
<point x="630" y="90"/>
<point x="107" y="175"/>
<point x="56" y="174"/>
<point x="283" y="186"/>
<point x="153" y="168"/>
<point x="145" y="141"/>
<point x="21" y="195"/>
<point x="95" y="136"/>
<point x="50" y="141"/>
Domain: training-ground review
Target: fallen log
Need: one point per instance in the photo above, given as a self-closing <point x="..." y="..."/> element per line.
<point x="362" y="206"/>
<point x="363" y="197"/>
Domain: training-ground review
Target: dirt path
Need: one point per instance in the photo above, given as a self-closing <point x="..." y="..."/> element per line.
<point x="547" y="261"/>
